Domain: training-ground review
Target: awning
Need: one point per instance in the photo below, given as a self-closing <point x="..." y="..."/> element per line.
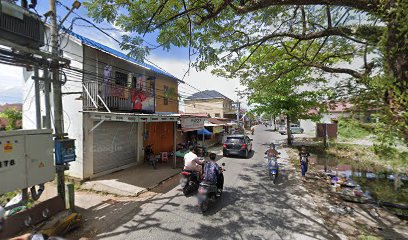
<point x="132" y="117"/>
<point x="218" y="129"/>
<point x="212" y="125"/>
<point x="204" y="131"/>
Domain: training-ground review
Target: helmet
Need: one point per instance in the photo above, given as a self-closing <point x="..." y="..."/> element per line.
<point x="272" y="146"/>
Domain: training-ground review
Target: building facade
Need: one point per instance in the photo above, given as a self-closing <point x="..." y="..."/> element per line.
<point x="210" y="102"/>
<point x="113" y="106"/>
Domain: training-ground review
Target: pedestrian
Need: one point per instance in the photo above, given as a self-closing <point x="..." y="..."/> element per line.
<point x="304" y="160"/>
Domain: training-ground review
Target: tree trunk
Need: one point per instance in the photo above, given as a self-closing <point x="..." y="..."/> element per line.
<point x="396" y="52"/>
<point x="274" y="123"/>
<point x="288" y="132"/>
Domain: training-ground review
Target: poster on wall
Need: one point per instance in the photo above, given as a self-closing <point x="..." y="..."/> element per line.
<point x="190" y="123"/>
<point x="142" y="101"/>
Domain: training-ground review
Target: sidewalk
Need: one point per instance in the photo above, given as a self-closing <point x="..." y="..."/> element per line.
<point x="133" y="181"/>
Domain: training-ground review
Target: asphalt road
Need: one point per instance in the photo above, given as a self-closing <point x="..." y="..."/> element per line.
<point x="251" y="207"/>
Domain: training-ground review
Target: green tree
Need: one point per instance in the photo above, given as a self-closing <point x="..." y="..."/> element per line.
<point x="227" y="33"/>
<point x="12" y="116"/>
<point x="292" y="94"/>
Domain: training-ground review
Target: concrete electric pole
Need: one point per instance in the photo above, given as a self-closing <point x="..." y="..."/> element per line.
<point x="57" y="96"/>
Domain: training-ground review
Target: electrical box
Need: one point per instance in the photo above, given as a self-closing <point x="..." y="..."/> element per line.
<point x="64" y="151"/>
<point x="21" y="26"/>
<point x="26" y="159"/>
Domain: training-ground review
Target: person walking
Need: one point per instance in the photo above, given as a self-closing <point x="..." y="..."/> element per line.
<point x="304" y="160"/>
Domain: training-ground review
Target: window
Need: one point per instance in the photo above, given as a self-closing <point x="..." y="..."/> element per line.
<point x="166" y="95"/>
<point x="121" y="78"/>
<point x="217" y="115"/>
<point x="235" y="140"/>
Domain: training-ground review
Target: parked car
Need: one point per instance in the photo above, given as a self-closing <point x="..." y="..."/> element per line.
<point x="238" y="144"/>
<point x="294" y="129"/>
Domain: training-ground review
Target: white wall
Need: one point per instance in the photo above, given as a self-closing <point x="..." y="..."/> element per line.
<point x="310" y="127"/>
<point x="73" y="121"/>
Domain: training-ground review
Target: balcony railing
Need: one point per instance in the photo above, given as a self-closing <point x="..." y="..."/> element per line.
<point x="112" y="97"/>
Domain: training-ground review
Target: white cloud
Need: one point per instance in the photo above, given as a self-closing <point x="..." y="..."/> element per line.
<point x="11" y="84"/>
<point x="201" y="80"/>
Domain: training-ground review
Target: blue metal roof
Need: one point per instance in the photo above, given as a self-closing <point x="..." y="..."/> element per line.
<point x="116" y="53"/>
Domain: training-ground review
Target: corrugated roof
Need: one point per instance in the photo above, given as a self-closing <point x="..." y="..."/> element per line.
<point x="118" y="54"/>
<point x="207" y="94"/>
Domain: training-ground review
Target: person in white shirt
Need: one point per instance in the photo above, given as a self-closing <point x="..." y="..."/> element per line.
<point x="192" y="163"/>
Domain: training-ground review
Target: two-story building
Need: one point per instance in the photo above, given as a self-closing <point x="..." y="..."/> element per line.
<point x="113" y="106"/>
<point x="210" y="102"/>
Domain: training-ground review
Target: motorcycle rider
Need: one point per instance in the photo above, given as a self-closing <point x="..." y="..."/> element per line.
<point x="213" y="174"/>
<point x="272" y="155"/>
<point x="192" y="163"/>
<point x="271" y="152"/>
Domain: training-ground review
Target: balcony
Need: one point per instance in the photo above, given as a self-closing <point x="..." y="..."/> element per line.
<point x="103" y="96"/>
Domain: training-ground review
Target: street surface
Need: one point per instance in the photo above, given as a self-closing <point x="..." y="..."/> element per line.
<point x="251" y="207"/>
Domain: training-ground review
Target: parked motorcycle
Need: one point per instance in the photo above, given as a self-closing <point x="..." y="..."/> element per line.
<point x="207" y="192"/>
<point x="149" y="156"/>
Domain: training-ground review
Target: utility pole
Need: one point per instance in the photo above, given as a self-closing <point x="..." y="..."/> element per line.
<point x="57" y="96"/>
<point x="238" y="104"/>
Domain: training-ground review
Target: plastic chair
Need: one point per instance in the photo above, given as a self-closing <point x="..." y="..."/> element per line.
<point x="164" y="157"/>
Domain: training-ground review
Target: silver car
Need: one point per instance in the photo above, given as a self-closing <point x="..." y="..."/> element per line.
<point x="294" y="129"/>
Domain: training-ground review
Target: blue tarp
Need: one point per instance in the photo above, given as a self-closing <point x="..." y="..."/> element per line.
<point x="206" y="132"/>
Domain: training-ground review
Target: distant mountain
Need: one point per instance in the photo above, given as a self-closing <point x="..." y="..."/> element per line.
<point x="16" y="106"/>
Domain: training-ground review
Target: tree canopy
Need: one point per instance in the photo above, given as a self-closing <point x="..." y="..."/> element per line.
<point x="12" y="116"/>
<point x="366" y="40"/>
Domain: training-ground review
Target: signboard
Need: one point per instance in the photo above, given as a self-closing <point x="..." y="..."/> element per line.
<point x="191" y="123"/>
<point x="218" y="129"/>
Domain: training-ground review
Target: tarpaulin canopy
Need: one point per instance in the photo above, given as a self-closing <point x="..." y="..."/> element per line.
<point x="203" y="131"/>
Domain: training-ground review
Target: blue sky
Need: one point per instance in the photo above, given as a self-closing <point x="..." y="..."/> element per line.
<point x="175" y="61"/>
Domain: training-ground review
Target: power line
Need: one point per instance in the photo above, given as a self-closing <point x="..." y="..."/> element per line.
<point x="110" y="36"/>
<point x="120" y="43"/>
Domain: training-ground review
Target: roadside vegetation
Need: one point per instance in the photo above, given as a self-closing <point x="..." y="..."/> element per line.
<point x="351" y="129"/>
<point x="6" y="197"/>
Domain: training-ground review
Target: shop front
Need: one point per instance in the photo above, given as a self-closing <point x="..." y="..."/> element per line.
<point x="187" y="133"/>
<point x="115" y="141"/>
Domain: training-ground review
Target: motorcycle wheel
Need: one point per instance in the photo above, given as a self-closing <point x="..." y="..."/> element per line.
<point x="186" y="192"/>
<point x="272" y="177"/>
<point x="204" y="206"/>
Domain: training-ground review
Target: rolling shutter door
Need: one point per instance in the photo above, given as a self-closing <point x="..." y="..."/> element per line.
<point x="114" y="145"/>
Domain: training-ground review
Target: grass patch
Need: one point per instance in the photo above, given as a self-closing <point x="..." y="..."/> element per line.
<point x="349" y="128"/>
<point x="6" y="197"/>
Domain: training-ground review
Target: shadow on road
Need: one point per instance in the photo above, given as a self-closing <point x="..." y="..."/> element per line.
<point x="254" y="208"/>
